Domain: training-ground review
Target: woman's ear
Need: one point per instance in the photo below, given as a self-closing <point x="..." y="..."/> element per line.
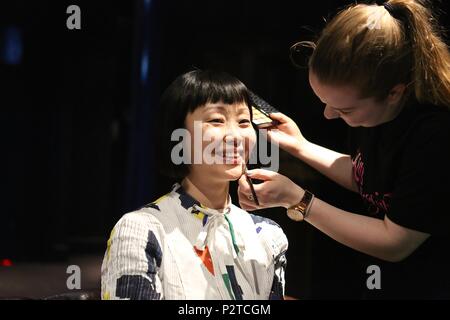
<point x="396" y="94"/>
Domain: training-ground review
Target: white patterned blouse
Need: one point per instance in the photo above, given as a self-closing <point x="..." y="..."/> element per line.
<point x="175" y="248"/>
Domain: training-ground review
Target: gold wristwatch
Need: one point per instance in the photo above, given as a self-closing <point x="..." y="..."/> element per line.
<point x="299" y="211"/>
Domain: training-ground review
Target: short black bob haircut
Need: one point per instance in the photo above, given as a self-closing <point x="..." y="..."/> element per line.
<point x="184" y="95"/>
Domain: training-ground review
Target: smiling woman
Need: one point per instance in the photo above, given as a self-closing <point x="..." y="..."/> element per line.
<point x="193" y="243"/>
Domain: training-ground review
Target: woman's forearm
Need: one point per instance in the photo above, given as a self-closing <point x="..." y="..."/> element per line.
<point x="334" y="165"/>
<point x="375" y="237"/>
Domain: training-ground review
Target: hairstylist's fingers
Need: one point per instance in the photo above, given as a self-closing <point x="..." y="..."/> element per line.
<point x="261" y="174"/>
<point x="240" y="190"/>
<point x="243" y="186"/>
<point x="272" y="135"/>
<point x="246" y="199"/>
<point x="280" y="117"/>
<point x="246" y="196"/>
<point x="247" y="205"/>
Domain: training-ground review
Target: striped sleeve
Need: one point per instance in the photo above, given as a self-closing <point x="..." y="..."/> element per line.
<point x="132" y="262"/>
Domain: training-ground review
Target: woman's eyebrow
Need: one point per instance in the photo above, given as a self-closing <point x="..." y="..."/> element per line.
<point x="336" y="108"/>
<point x="216" y="106"/>
<point x="220" y="109"/>
<point x="217" y="110"/>
<point x="225" y="108"/>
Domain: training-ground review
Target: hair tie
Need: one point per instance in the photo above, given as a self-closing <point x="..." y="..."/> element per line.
<point x="390" y="8"/>
<point x="395" y="11"/>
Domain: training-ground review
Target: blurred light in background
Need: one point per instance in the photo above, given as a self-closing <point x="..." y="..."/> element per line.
<point x="144" y="65"/>
<point x="11" y="46"/>
<point x="145" y="50"/>
<point x="6" y="263"/>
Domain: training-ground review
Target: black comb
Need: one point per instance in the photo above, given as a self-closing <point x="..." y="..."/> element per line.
<point x="261" y="116"/>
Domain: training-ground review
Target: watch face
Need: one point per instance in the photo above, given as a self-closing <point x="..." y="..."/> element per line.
<point x="295" y="215"/>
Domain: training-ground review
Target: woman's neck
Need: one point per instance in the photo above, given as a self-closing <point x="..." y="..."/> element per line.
<point x="212" y="194"/>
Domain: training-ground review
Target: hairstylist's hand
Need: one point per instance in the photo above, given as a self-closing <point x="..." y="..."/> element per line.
<point x="286" y="134"/>
<point x="276" y="190"/>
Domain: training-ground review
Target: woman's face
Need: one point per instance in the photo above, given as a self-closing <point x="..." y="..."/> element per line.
<point x="227" y="137"/>
<point x="344" y="102"/>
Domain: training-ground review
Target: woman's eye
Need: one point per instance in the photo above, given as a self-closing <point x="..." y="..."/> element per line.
<point x="244" y="121"/>
<point x="216" y="120"/>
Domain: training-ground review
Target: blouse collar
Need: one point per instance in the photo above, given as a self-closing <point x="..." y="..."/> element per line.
<point x="194" y="206"/>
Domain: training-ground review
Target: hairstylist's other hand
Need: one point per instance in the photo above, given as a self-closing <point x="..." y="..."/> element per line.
<point x="286" y="134"/>
<point x="276" y="190"/>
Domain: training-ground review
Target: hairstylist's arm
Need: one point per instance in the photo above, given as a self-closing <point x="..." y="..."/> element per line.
<point x="383" y="239"/>
<point x="334" y="165"/>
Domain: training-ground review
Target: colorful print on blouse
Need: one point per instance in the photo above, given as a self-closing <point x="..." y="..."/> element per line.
<point x="176" y="248"/>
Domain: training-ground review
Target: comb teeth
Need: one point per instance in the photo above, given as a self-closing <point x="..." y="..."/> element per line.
<point x="261" y="103"/>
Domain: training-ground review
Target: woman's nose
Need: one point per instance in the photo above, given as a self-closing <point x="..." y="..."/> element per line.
<point x="330" y="113"/>
<point x="233" y="136"/>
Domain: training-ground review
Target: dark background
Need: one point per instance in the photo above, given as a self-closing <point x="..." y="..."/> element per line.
<point x="79" y="110"/>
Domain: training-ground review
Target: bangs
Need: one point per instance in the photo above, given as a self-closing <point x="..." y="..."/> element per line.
<point x="212" y="87"/>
